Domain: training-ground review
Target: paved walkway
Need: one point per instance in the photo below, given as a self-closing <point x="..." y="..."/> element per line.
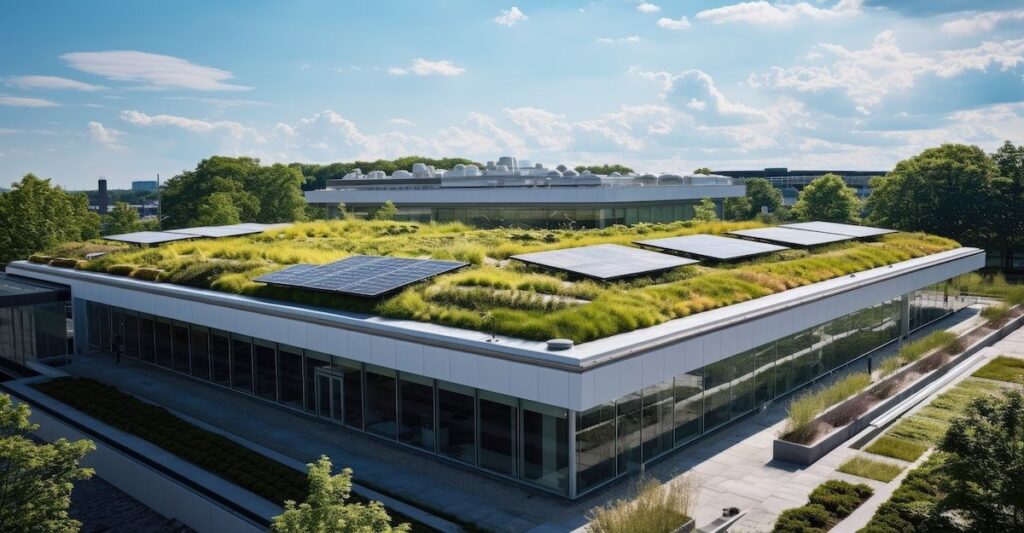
<point x="732" y="468"/>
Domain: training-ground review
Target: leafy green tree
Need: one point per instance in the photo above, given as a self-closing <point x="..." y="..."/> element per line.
<point x="702" y="170"/>
<point x="737" y="208"/>
<point x="185" y="193"/>
<point x="1007" y="214"/>
<point x="828" y="199"/>
<point x="123" y="218"/>
<point x="218" y="209"/>
<point x="38" y="478"/>
<point x="946" y="190"/>
<point x="388" y="211"/>
<point x="984" y="469"/>
<point x="605" y="169"/>
<point x="762" y="193"/>
<point x="35" y="216"/>
<point x="327" y="509"/>
<point x="705" y="211"/>
<point x="279" y="191"/>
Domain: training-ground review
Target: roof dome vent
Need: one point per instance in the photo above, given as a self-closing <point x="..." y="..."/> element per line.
<point x="557" y="345"/>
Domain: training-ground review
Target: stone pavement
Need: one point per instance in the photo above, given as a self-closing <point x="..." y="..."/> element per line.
<point x="732" y="467"/>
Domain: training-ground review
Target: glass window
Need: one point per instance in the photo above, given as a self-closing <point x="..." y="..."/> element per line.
<point x="546" y="445"/>
<point x="416" y="402"/>
<point x="595" y="446"/>
<point x="716" y="393"/>
<point x="179" y="330"/>
<point x="104" y="316"/>
<point x="657" y="420"/>
<point x="117" y="330"/>
<point x="742" y="389"/>
<point x="456" y="424"/>
<point x="199" y="339"/>
<point x="164" y="350"/>
<point x="266" y="369"/>
<point x="689" y="405"/>
<point x="241" y="363"/>
<point x="147" y="343"/>
<point x="352" y="377"/>
<point x="764" y="382"/>
<point x="629" y="428"/>
<point x="93" y="316"/>
<point x="314" y="360"/>
<point x="289" y="360"/>
<point x="498" y="429"/>
<point x="131" y="335"/>
<point x="220" y="357"/>
<point x="380" y="401"/>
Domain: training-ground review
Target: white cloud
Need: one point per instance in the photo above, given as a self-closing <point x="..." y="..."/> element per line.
<point x="425" y="67"/>
<point x="762" y="12"/>
<point x="152" y="70"/>
<point x="20" y="101"/>
<point x="218" y="102"/>
<point x="647" y="7"/>
<point x="8" y="131"/>
<point x="619" y="40"/>
<point x="696" y="89"/>
<point x="51" y="82"/>
<point x="399" y="121"/>
<point x="682" y="23"/>
<point x="234" y="129"/>
<point x="889" y="68"/>
<point x="510" y="17"/>
<point x="104" y="135"/>
<point x="982" y="22"/>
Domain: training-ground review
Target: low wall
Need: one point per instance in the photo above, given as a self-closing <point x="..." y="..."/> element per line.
<point x="167" y="492"/>
<point x="807" y="454"/>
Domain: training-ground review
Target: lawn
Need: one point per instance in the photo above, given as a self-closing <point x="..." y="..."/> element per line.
<point x="864" y="467"/>
<point x="1003" y="368"/>
<point x="897" y="448"/>
<point x="511" y="298"/>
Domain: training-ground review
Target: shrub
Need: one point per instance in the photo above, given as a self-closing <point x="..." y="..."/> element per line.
<point x="827" y="504"/>
<point x="653" y="509"/>
<point x="995" y="314"/>
<point x="38" y="258"/>
<point x="871" y="469"/>
<point x="63" y="262"/>
<point x="909" y="507"/>
<point x="803" y="410"/>
<point x="148" y="274"/>
<point x="897" y="448"/>
<point x="805" y="519"/>
<point x="121" y="270"/>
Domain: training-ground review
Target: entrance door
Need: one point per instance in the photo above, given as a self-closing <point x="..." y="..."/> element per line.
<point x="328" y="394"/>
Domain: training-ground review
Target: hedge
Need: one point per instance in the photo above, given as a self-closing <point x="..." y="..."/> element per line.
<point x="828" y="504"/>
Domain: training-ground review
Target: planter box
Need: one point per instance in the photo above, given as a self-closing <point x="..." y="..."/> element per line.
<point x="807" y="454"/>
<point x="685" y="528"/>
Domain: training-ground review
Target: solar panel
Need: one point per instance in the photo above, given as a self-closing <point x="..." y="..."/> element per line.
<point x="261" y="227"/>
<point x="216" y="232"/>
<point x="713" y="246"/>
<point x="850" y="230"/>
<point x="360" y="275"/>
<point x="605" y="261"/>
<point x="148" y="237"/>
<point x="797" y="237"/>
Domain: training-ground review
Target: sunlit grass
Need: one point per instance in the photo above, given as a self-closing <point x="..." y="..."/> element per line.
<point x="878" y="470"/>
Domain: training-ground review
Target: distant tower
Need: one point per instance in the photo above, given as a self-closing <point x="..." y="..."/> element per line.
<point x="103" y="200"/>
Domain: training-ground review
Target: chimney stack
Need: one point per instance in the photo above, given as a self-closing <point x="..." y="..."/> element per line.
<point x="103" y="201"/>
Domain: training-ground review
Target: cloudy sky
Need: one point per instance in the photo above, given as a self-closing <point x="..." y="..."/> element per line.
<point x="128" y="89"/>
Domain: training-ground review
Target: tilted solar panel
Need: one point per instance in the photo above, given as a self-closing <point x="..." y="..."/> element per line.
<point x="361" y="275"/>
<point x="713" y="246"/>
<point x="796" y="237"/>
<point x="148" y="237"/>
<point x="850" y="230"/>
<point x="605" y="261"/>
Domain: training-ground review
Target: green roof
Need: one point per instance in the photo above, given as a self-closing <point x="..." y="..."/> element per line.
<point x="494" y="292"/>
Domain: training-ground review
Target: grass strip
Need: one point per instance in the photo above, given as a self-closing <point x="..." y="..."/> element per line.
<point x="208" y="450"/>
<point x="1003" y="368"/>
<point x="906" y="450"/>
<point x="877" y="470"/>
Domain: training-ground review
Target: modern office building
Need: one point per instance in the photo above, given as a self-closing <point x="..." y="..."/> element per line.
<point x="791" y="182"/>
<point x="560" y="417"/>
<point x="514" y="193"/>
<point x="145" y="185"/>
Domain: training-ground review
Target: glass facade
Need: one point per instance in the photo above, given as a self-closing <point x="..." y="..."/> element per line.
<point x="615" y="438"/>
<point x="933" y="303"/>
<point x="33" y="331"/>
<point x="516" y="438"/>
<point x="540" y="217"/>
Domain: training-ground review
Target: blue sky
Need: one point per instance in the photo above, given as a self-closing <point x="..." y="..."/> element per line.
<point x="127" y="90"/>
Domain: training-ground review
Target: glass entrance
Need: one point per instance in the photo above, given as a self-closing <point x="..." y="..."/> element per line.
<point x="329" y="395"/>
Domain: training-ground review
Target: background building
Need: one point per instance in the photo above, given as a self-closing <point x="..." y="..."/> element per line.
<point x="791" y="182"/>
<point x="145" y="185"/>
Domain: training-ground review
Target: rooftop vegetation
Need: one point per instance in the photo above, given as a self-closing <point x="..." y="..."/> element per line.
<point x="496" y="294"/>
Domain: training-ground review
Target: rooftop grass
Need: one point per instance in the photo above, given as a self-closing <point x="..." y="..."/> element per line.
<point x="861" y="466"/>
<point x="494" y="294"/>
<point x="1003" y="368"/>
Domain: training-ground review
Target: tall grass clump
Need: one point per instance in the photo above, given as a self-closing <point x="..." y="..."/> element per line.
<point x="803" y="410"/>
<point x="994" y="314"/>
<point x="655" y="508"/>
<point x="913" y="351"/>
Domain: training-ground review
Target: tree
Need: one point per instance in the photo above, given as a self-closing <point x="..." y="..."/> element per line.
<point x="702" y="170"/>
<point x="388" y="211"/>
<point x="605" y="169"/>
<point x="1007" y="214"/>
<point x="38" y="478"/>
<point x="946" y="190"/>
<point x="279" y="191"/>
<point x="705" y="211"/>
<point x="237" y="177"/>
<point x="123" y="218"/>
<point x="737" y="208"/>
<point x="217" y="210"/>
<point x="828" y="199"/>
<point x="762" y="193"/>
<point x="984" y="470"/>
<point x="35" y="216"/>
<point x="326" y="509"/>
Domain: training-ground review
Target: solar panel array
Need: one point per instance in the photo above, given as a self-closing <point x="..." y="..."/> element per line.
<point x="850" y="230"/>
<point x="361" y="275"/>
<point x="216" y="232"/>
<point x="713" y="246"/>
<point x="605" y="261"/>
<point x="148" y="237"/>
<point x="796" y="237"/>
